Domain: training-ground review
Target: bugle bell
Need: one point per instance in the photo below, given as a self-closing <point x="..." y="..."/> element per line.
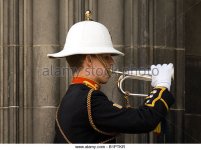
<point x="144" y="75"/>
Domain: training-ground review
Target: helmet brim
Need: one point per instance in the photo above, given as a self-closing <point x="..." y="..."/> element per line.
<point x="77" y="51"/>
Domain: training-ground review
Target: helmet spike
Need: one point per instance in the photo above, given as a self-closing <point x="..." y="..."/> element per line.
<point x="88" y="15"/>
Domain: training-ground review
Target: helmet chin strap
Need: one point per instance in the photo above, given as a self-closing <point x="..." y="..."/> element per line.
<point x="104" y="65"/>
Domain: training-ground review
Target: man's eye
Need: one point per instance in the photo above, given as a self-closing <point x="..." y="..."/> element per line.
<point x="106" y="57"/>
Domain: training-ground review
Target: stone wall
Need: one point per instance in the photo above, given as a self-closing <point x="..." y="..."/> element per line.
<point x="192" y="116"/>
<point x="147" y="31"/>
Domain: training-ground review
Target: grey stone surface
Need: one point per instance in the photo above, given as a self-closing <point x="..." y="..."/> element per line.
<point x="46" y="74"/>
<point x="26" y="24"/>
<point x="164" y="55"/>
<point x="43" y="124"/>
<point x="110" y="13"/>
<point x="178" y="85"/>
<point x="26" y="77"/>
<point x="193" y="31"/>
<point x="45" y="22"/>
<point x="25" y="129"/>
<point x="174" y="128"/>
<point x="13" y="124"/>
<point x="192" y="69"/>
<point x="4" y="125"/>
<point x="192" y="84"/>
<point x="180" y="30"/>
<point x="192" y="126"/>
<point x="164" y="23"/>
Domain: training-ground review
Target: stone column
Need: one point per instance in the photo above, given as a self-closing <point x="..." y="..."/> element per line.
<point x="168" y="47"/>
<point x="192" y="117"/>
<point x="25" y="71"/>
<point x="138" y="54"/>
<point x="9" y="52"/>
<point x="45" y="86"/>
<point x="4" y="104"/>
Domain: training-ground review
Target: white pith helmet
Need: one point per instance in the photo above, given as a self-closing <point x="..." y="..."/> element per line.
<point x="87" y="37"/>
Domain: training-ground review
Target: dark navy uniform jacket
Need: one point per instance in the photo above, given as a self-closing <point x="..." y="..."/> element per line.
<point x="86" y="115"/>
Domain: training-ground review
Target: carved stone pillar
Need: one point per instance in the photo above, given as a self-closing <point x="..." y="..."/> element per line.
<point x="45" y="87"/>
<point x="9" y="53"/>
<point x="168" y="42"/>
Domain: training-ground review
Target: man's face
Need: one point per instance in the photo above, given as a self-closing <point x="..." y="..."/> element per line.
<point x="99" y="64"/>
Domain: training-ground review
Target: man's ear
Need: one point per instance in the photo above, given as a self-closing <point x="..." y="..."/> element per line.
<point x="88" y="60"/>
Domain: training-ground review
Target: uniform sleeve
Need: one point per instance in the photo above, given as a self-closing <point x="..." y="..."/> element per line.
<point x="110" y="117"/>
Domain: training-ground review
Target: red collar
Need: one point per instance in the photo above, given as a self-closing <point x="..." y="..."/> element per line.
<point x="88" y="82"/>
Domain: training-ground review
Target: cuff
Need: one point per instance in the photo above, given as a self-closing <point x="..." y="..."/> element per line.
<point x="159" y="94"/>
<point x="164" y="84"/>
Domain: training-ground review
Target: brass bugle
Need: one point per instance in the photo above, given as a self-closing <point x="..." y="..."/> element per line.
<point x="144" y="75"/>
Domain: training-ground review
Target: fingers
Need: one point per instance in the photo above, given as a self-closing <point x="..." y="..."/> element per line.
<point x="170" y="65"/>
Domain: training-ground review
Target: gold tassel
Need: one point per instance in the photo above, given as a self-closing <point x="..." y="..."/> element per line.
<point x="157" y="130"/>
<point x="127" y="100"/>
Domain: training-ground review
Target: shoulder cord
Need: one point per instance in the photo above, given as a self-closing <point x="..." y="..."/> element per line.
<point x="90" y="120"/>
<point x="90" y="115"/>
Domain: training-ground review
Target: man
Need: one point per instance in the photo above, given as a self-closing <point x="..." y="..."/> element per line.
<point x="85" y="114"/>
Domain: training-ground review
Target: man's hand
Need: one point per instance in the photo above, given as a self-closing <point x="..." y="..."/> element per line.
<point x="161" y="75"/>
